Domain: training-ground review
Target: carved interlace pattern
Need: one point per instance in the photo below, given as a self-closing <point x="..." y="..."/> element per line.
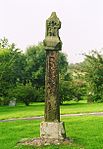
<point x="53" y="25"/>
<point x="52" y="28"/>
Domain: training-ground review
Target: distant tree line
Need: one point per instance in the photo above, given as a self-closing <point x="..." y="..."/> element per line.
<point x="22" y="75"/>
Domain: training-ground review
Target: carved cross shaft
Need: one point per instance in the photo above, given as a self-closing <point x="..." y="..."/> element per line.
<point x="52" y="45"/>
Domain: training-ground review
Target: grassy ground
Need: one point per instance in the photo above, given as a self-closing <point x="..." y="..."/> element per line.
<point x="86" y="132"/>
<point x="37" y="109"/>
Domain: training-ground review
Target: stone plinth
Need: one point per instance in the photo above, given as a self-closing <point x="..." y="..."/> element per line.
<point x="52" y="130"/>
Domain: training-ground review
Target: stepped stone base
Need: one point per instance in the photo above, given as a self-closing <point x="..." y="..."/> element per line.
<point x="43" y="142"/>
<point x="50" y="133"/>
<point x="52" y="130"/>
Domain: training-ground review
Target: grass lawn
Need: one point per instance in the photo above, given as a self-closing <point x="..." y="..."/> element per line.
<point x="86" y="132"/>
<point x="37" y="109"/>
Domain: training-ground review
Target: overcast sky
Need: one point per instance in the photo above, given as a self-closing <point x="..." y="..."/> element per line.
<point x="23" y="22"/>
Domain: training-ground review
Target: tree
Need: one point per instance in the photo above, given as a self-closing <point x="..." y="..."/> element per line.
<point x="36" y="70"/>
<point x="94" y="75"/>
<point x="79" y="85"/>
<point x="23" y="93"/>
<point x="12" y="63"/>
<point x="65" y="88"/>
<point x="20" y="71"/>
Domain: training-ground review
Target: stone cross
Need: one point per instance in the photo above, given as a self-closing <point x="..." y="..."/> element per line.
<point x="52" y="128"/>
<point x="52" y="45"/>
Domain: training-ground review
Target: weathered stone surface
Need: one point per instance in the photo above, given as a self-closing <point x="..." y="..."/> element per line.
<point x="43" y="141"/>
<point x="52" y="45"/>
<point x="52" y="111"/>
<point x="52" y="130"/>
<point x="52" y="40"/>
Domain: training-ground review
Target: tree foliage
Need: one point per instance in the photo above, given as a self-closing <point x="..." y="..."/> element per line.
<point x="12" y="63"/>
<point x="94" y="76"/>
<point x="23" y="73"/>
<point x="23" y="93"/>
<point x="36" y="70"/>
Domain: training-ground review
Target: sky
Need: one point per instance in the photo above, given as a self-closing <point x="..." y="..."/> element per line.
<point x="23" y="23"/>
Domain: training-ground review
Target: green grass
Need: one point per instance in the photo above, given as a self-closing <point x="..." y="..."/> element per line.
<point x="37" y="109"/>
<point x="86" y="132"/>
<point x="20" y="111"/>
<point x="81" y="107"/>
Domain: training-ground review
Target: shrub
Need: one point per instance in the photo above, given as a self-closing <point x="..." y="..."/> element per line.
<point x="23" y="93"/>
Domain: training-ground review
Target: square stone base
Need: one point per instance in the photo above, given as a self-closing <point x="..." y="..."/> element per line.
<point x="52" y="130"/>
